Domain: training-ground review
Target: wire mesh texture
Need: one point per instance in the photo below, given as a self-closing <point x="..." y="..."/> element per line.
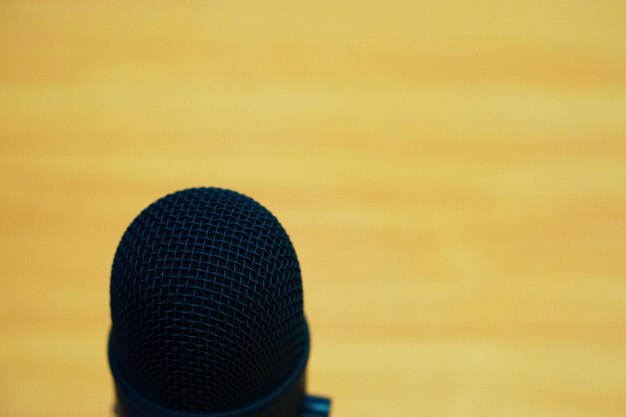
<point x="206" y="301"/>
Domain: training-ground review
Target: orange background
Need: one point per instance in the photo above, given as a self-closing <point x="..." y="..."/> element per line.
<point x="453" y="176"/>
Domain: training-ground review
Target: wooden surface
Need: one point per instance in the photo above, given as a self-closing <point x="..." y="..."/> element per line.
<point x="453" y="177"/>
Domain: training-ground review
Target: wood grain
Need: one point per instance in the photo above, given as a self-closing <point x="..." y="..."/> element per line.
<point x="452" y="175"/>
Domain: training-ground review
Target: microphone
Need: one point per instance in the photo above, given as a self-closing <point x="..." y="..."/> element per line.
<point x="207" y="312"/>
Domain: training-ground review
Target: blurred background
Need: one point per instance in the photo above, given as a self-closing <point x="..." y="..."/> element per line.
<point x="452" y="175"/>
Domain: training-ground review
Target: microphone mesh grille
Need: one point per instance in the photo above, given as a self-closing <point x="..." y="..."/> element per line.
<point x="206" y="301"/>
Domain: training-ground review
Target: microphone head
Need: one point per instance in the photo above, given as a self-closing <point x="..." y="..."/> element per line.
<point x="206" y="302"/>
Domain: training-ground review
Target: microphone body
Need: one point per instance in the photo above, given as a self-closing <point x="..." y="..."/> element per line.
<point x="288" y="400"/>
<point x="207" y="313"/>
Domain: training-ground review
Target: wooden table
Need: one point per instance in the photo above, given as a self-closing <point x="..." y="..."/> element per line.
<point x="453" y="177"/>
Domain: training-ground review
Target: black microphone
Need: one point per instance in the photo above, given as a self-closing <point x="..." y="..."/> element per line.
<point x="207" y="312"/>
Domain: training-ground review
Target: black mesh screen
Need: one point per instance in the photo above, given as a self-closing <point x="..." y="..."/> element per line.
<point x="206" y="301"/>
